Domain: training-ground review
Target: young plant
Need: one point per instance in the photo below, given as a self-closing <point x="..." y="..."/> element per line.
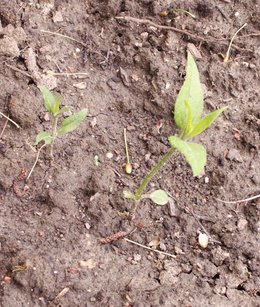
<point x="188" y="119"/>
<point x="52" y="105"/>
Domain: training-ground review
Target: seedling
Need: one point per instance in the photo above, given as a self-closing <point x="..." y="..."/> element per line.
<point x="52" y="105"/>
<point x="187" y="116"/>
<point x="128" y="166"/>
<point x="227" y="55"/>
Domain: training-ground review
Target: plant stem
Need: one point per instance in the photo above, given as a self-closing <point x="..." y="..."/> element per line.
<point x="54" y="134"/>
<point x="152" y="173"/>
<point x="126" y="147"/>
<point x="36" y="160"/>
<point x="226" y="58"/>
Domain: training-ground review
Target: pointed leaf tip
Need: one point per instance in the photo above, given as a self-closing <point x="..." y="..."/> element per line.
<point x="72" y="122"/>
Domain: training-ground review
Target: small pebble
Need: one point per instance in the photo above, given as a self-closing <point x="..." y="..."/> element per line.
<point x="234" y="155"/>
<point x="137" y="257"/>
<point x="206" y="179"/>
<point x="87" y="226"/>
<point x="162" y="247"/>
<point x="241" y="224"/>
<point x="203" y="240"/>
<point x="57" y="17"/>
<point x="109" y="155"/>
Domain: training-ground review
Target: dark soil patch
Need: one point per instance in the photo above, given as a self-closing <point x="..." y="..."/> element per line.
<point x="51" y="226"/>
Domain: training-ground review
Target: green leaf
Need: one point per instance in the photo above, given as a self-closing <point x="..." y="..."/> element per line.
<point x="72" y="122"/>
<point x="56" y="106"/>
<point x="195" y="154"/>
<point x="128" y="195"/>
<point x="191" y="92"/>
<point x="49" y="99"/>
<point x="159" y="197"/>
<point x="205" y="122"/>
<point x="43" y="136"/>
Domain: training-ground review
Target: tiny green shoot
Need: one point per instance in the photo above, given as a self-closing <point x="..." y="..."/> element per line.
<point x="69" y="124"/>
<point x="188" y="118"/>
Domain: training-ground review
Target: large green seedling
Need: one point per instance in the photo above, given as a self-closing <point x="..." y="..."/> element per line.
<point x="188" y="118"/>
<point x="52" y="105"/>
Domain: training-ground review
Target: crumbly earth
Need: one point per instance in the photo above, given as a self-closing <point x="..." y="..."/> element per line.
<point x="131" y="72"/>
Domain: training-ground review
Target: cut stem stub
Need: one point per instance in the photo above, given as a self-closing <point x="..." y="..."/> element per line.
<point x="128" y="166"/>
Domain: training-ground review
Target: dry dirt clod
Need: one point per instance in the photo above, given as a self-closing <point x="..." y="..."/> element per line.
<point x="9" y="47"/>
<point x="234" y="155"/>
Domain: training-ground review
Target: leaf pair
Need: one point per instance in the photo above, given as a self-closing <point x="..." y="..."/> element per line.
<point x="187" y="116"/>
<point x="52" y="105"/>
<point x="159" y="197"/>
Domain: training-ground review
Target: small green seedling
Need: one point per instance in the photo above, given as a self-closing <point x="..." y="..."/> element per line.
<point x="52" y="105"/>
<point x="188" y="118"/>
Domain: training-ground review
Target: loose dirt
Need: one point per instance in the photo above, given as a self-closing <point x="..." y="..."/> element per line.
<point x="128" y="74"/>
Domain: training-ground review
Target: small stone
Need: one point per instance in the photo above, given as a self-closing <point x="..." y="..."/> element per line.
<point x="57" y="17"/>
<point x="234" y="155"/>
<point x="206" y="179"/>
<point x="47" y="117"/>
<point x="112" y="84"/>
<point x="241" y="224"/>
<point x="7" y="279"/>
<point x="9" y="47"/>
<point x="144" y="35"/>
<point x="137" y="257"/>
<point x="162" y="247"/>
<point x="147" y="157"/>
<point x="92" y="299"/>
<point x="203" y="240"/>
<point x="172" y="208"/>
<point x="109" y="155"/>
<point x="87" y="225"/>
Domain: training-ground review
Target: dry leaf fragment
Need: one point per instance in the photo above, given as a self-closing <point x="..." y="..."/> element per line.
<point x="194" y="51"/>
<point x="155" y="242"/>
<point x="80" y="85"/>
<point x="63" y="292"/>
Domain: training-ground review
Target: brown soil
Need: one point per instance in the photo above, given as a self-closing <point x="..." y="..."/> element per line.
<point x="51" y="226"/>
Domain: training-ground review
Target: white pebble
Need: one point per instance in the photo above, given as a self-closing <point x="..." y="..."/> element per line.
<point x="109" y="155"/>
<point x="203" y="240"/>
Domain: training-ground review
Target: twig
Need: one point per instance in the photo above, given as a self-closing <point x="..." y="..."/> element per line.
<point x="250" y="34"/>
<point x="52" y="73"/>
<point x="197" y="37"/>
<point x="18" y="70"/>
<point x="149" y="248"/>
<point x="226" y="58"/>
<point x="10" y="120"/>
<point x="113" y="237"/>
<point x="238" y="201"/>
<point x="36" y="160"/>
<point x="64" y="36"/>
<point x="2" y="132"/>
